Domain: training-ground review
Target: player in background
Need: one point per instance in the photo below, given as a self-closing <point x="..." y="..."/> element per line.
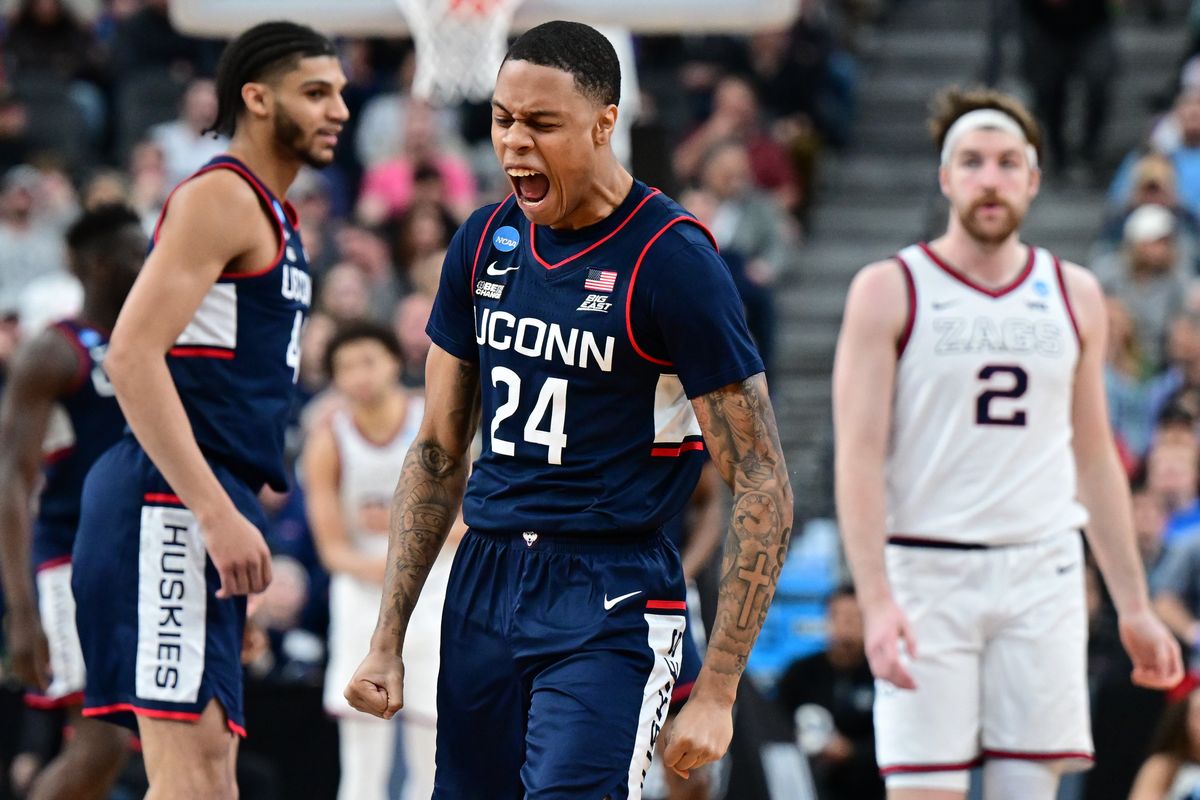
<point x="592" y="319"/>
<point x="350" y="467"/>
<point x="203" y="360"/>
<point x="57" y="416"/>
<point x="972" y="445"/>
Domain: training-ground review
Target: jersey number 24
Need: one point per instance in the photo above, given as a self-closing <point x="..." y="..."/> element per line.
<point x="551" y="399"/>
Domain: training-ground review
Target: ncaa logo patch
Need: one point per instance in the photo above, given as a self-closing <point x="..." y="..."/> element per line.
<point x="506" y="239"/>
<point x="1041" y="288"/>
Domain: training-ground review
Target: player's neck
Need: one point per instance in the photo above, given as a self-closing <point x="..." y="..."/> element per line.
<point x="989" y="264"/>
<point x="97" y="312"/>
<point x="381" y="421"/>
<point x="608" y="190"/>
<point x="265" y="161"/>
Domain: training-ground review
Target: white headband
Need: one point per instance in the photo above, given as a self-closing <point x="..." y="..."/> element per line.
<point x="986" y="118"/>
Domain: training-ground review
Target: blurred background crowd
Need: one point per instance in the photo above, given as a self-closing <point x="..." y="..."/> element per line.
<point x="104" y="100"/>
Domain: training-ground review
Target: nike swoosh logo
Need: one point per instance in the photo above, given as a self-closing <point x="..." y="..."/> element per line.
<point x="491" y="269"/>
<point x="608" y="604"/>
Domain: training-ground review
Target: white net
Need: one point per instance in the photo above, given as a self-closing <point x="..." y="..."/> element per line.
<point x="460" y="44"/>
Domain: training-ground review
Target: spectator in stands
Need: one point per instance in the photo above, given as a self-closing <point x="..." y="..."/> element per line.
<point x="1147" y="277"/>
<point x="343" y="293"/>
<point x="184" y="144"/>
<point x="15" y="145"/>
<point x="310" y="194"/>
<point x="755" y="236"/>
<point x="1179" y="384"/>
<point x="735" y="115"/>
<point x="1129" y="397"/>
<point x="147" y="42"/>
<point x="148" y="188"/>
<point x="1172" y="772"/>
<point x="1154" y="182"/>
<point x="47" y="43"/>
<point x="1182" y="149"/>
<point x="1149" y="525"/>
<point x="105" y="187"/>
<point x="830" y="696"/>
<point x="389" y="187"/>
<point x="368" y="250"/>
<point x="423" y="230"/>
<point x="30" y="242"/>
<point x="408" y="322"/>
<point x="1062" y="40"/>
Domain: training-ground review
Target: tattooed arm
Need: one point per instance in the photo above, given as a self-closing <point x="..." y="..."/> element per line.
<point x="424" y="506"/>
<point x="739" y="429"/>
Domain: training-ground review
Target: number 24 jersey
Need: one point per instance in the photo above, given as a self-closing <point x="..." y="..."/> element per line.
<point x="589" y="344"/>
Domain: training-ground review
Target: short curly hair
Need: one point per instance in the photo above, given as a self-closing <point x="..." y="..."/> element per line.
<point x="950" y="104"/>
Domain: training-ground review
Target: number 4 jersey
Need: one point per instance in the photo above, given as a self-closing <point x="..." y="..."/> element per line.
<point x="981" y="432"/>
<point x="236" y="361"/>
<point x="589" y="344"/>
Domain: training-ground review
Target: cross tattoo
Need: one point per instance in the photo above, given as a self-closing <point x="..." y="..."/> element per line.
<point x="757" y="578"/>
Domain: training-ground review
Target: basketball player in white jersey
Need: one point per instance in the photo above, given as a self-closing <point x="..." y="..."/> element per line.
<point x="972" y="445"/>
<point x="351" y="465"/>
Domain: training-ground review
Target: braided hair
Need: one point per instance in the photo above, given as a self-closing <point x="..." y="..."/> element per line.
<point x="261" y="53"/>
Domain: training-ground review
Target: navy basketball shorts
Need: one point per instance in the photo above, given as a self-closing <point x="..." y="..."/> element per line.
<point x="156" y="640"/>
<point x="689" y="668"/>
<point x="559" y="656"/>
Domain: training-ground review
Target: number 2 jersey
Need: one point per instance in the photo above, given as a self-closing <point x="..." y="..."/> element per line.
<point x="589" y="344"/>
<point x="236" y="362"/>
<point x="980" y="447"/>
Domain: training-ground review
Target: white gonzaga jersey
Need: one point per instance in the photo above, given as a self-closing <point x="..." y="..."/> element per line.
<point x="980" y="448"/>
<point x="369" y="472"/>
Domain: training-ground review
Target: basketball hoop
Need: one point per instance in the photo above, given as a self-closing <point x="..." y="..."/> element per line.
<point x="460" y="44"/>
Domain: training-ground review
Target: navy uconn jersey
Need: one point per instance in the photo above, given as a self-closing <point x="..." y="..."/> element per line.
<point x="590" y="344"/>
<point x="236" y="362"/>
<point x="83" y="424"/>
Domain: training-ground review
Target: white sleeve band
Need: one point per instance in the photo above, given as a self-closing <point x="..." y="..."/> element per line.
<point x="993" y="119"/>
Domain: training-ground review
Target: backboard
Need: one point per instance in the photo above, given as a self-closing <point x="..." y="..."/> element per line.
<point x="226" y="18"/>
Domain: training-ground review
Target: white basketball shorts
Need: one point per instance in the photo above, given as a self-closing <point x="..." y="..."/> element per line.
<point x="1000" y="666"/>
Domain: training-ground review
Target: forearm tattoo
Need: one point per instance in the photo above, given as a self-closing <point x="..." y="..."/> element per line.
<point x="743" y="440"/>
<point x="424" y="505"/>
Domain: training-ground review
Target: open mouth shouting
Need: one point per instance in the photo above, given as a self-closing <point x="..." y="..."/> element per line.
<point x="530" y="185"/>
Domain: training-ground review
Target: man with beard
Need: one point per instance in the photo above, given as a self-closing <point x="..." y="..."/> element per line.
<point x="203" y="360"/>
<point x="972" y="445"/>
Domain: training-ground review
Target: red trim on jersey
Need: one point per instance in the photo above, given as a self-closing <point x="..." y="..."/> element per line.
<point x="911" y="290"/>
<point x="482" y="238"/>
<point x="154" y="713"/>
<point x="161" y="498"/>
<point x="1036" y="755"/>
<point x="673" y="451"/>
<point x="962" y="278"/>
<point x="190" y="351"/>
<point x="237" y="729"/>
<point x="54" y="456"/>
<point x="899" y="769"/>
<point x="262" y="193"/>
<point x="84" y="366"/>
<point x="51" y="563"/>
<point x="666" y="605"/>
<point x="1062" y="287"/>
<point x="633" y="280"/>
<point x="41" y="702"/>
<point x="593" y="245"/>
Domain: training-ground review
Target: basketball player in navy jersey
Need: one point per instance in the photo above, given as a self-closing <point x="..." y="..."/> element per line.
<point x="58" y="396"/>
<point x="972" y="445"/>
<point x="203" y="360"/>
<point x="592" y="319"/>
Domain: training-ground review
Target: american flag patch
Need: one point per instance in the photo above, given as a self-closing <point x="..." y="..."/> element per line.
<point x="600" y="280"/>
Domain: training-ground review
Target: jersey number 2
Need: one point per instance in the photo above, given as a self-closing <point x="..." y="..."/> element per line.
<point x="1020" y="383"/>
<point x="552" y="398"/>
